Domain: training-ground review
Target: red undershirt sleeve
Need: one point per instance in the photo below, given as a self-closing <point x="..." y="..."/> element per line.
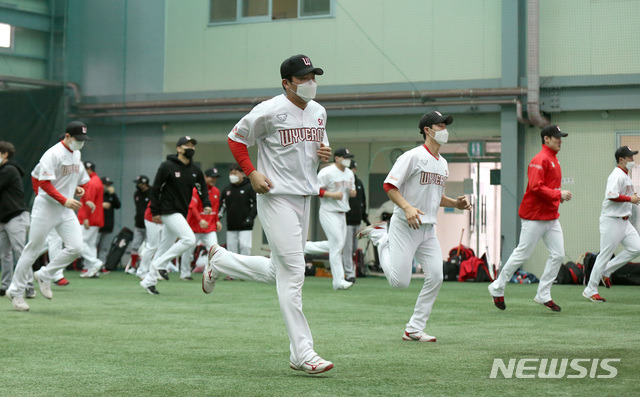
<point x="52" y="191"/>
<point x="621" y="199"/>
<point x="388" y="186"/>
<point x="241" y="154"/>
<point x="322" y="192"/>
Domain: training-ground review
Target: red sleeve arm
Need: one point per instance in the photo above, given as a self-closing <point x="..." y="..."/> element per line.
<point x="193" y="205"/>
<point x="388" y="186"/>
<point x="35" y="184"/>
<point x="241" y="154"/>
<point x="621" y="199"/>
<point x="52" y="191"/>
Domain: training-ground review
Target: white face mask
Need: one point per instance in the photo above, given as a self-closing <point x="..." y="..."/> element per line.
<point x="630" y="165"/>
<point x="346" y="162"/>
<point x="307" y="90"/>
<point x="76" y="145"/>
<point x="234" y="179"/>
<point x="441" y="137"/>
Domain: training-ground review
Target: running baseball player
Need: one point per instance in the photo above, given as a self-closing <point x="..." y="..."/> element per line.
<point x="337" y="184"/>
<point x="539" y="214"/>
<point x="289" y="130"/>
<point x="91" y="217"/>
<point x="151" y="244"/>
<point x="61" y="174"/>
<point x="415" y="184"/>
<point x="615" y="227"/>
<point x="141" y="198"/>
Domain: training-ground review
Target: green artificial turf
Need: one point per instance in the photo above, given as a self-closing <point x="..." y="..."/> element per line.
<point x="109" y="337"/>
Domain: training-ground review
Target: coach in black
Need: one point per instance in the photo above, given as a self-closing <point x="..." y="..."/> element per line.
<point x="170" y="198"/>
<point x="141" y="199"/>
<point x="238" y="206"/>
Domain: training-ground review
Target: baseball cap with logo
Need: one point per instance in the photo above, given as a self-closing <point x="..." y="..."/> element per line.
<point x="212" y="172"/>
<point x="435" y="117"/>
<point x="89" y="165"/>
<point x="552" y="130"/>
<point x="78" y="130"/>
<point x="342" y="152"/>
<point x="624" y="151"/>
<point x="107" y="181"/>
<point x="186" y="139"/>
<point x="141" y="179"/>
<point x="298" y="65"/>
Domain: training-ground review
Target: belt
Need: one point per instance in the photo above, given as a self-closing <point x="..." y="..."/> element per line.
<point x="624" y="218"/>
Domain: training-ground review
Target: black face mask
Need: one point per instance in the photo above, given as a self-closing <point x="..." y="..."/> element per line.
<point x="188" y="153"/>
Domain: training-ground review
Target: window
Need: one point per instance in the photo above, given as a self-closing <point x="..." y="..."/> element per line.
<point x="6" y="33"/>
<point x="243" y="11"/>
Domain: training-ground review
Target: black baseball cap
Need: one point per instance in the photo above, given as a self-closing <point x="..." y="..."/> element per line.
<point x="78" y="130"/>
<point x="298" y="65"/>
<point x="435" y="117"/>
<point x="353" y="165"/>
<point x="624" y="151"/>
<point x="212" y="172"/>
<point x="342" y="152"/>
<point x="186" y="139"/>
<point x="89" y="165"/>
<point x="141" y="179"/>
<point x="552" y="130"/>
<point x="107" y="181"/>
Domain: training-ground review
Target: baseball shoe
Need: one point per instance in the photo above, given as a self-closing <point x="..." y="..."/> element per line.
<point x="186" y="278"/>
<point x="418" y="336"/>
<point x="549" y="305"/>
<point x="151" y="289"/>
<point x="30" y="292"/>
<point x="315" y="366"/>
<point x="44" y="284"/>
<point x="131" y="270"/>
<point x="594" y="297"/>
<point x="606" y="281"/>
<point x="104" y="271"/>
<point x="365" y="232"/>
<point x="352" y="280"/>
<point x="18" y="303"/>
<point x="345" y="285"/>
<point x="209" y="276"/>
<point x="90" y="274"/>
<point x="164" y="274"/>
<point x="499" y="302"/>
<point x="62" y="282"/>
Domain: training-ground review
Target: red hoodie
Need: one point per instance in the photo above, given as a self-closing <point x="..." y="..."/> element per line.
<point x="196" y="211"/>
<point x="94" y="192"/>
<point x="542" y="198"/>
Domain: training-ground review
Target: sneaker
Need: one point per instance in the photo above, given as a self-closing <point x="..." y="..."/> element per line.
<point x="90" y="274"/>
<point x="43" y="284"/>
<point x="549" y="305"/>
<point x="418" y="336"/>
<point x="104" y="271"/>
<point x="352" y="280"/>
<point x="187" y="278"/>
<point x="151" y="289"/>
<point x="606" y="281"/>
<point x="131" y="270"/>
<point x="365" y="232"/>
<point x="209" y="277"/>
<point x="30" y="292"/>
<point x="594" y="297"/>
<point x="345" y="285"/>
<point x="164" y="274"/>
<point x="62" y="282"/>
<point x="315" y="366"/>
<point x="499" y="302"/>
<point x="18" y="303"/>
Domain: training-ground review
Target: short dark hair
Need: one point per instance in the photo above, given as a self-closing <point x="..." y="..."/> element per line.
<point x="235" y="167"/>
<point x="289" y="79"/>
<point x="7" y="147"/>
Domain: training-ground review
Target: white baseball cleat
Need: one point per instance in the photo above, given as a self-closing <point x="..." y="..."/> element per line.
<point x="18" y="303"/>
<point x="418" y="336"/>
<point x="345" y="285"/>
<point x="314" y="366"/>
<point x="365" y="232"/>
<point x="90" y="273"/>
<point x="44" y="284"/>
<point x="209" y="276"/>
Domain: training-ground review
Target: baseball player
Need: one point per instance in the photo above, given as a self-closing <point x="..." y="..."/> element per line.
<point x="415" y="184"/>
<point x="91" y="217"/>
<point x="289" y="130"/>
<point x="539" y="214"/>
<point x="204" y="226"/>
<point x="141" y="198"/>
<point x="337" y="184"/>
<point x="615" y="227"/>
<point x="151" y="244"/>
<point x="60" y="173"/>
<point x="170" y="197"/>
<point x="238" y="207"/>
<point x="355" y="216"/>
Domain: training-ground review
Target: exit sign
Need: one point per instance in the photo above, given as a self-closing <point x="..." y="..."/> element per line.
<point x="476" y="149"/>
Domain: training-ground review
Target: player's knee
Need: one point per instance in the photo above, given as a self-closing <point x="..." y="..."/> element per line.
<point x="400" y="283"/>
<point x="74" y="249"/>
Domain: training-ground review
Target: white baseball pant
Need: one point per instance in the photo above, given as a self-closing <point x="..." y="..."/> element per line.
<point x="530" y="234"/>
<point x="285" y="219"/>
<point x="397" y="248"/>
<point x="90" y="249"/>
<point x="152" y="243"/>
<point x="139" y="235"/>
<point x="175" y="227"/>
<point x="613" y="231"/>
<point x="334" y="225"/>
<point x="208" y="239"/>
<point x="13" y="235"/>
<point x="350" y="246"/>
<point x="240" y="241"/>
<point x="45" y="216"/>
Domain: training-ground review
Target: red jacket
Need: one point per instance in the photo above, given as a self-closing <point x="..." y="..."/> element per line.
<point x="94" y="192"/>
<point x="196" y="211"/>
<point x="542" y="198"/>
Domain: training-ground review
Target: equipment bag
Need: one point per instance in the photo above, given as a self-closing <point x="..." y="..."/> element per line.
<point x="118" y="247"/>
<point x="570" y="273"/>
<point x="450" y="271"/>
<point x="628" y="274"/>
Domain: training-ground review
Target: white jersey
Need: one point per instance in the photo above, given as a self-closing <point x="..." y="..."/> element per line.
<point x="288" y="138"/>
<point x="420" y="178"/>
<point x="331" y="179"/>
<point x="618" y="184"/>
<point x="63" y="168"/>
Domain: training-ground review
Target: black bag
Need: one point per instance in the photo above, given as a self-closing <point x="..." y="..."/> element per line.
<point x="483" y="275"/>
<point x="570" y="273"/>
<point x="589" y="262"/>
<point x="628" y="274"/>
<point x="118" y="247"/>
<point x="450" y="271"/>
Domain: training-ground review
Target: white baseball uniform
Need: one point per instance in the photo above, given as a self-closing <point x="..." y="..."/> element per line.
<point x="332" y="218"/>
<point x="288" y="139"/>
<point x="420" y="178"/>
<point x="64" y="168"/>
<point x="615" y="228"/>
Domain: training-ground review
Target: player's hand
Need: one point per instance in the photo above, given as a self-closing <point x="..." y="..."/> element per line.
<point x="565" y="195"/>
<point x="106" y="205"/>
<point x="79" y="191"/>
<point x="86" y="224"/>
<point x="91" y="205"/>
<point x="635" y="199"/>
<point x="218" y="226"/>
<point x="208" y="211"/>
<point x="73" y="204"/>
<point x="462" y="203"/>
<point x="336" y="195"/>
<point x="156" y="219"/>
<point x="324" y="153"/>
<point x="203" y="224"/>
<point x="260" y="183"/>
<point x="413" y="217"/>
